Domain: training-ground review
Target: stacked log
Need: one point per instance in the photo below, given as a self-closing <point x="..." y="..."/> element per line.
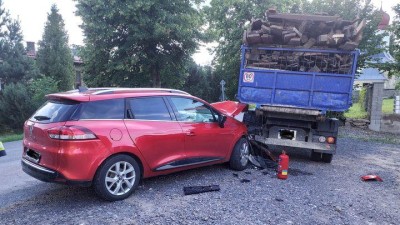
<point x="298" y="31"/>
<point x="337" y="63"/>
<point x="304" y="31"/>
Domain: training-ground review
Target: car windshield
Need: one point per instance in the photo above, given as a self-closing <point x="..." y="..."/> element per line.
<point x="54" y="111"/>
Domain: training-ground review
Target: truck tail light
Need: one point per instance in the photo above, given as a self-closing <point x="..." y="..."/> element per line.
<point x="330" y="140"/>
<point x="71" y="133"/>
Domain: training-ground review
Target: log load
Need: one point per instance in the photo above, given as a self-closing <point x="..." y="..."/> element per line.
<point x="304" y="31"/>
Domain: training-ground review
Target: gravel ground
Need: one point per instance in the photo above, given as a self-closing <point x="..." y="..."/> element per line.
<point x="315" y="193"/>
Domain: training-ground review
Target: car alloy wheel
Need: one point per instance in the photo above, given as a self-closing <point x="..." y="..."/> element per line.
<point x="120" y="178"/>
<point x="117" y="178"/>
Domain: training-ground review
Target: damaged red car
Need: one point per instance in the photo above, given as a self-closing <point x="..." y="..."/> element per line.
<point x="111" y="138"/>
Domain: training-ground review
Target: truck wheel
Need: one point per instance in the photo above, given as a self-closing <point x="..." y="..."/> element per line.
<point x="327" y="158"/>
<point x="240" y="155"/>
<point x="318" y="156"/>
<point x="117" y="178"/>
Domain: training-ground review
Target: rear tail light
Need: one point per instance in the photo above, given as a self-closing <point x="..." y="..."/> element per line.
<point x="71" y="133"/>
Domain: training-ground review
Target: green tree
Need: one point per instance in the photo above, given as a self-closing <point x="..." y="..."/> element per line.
<point x="199" y="81"/>
<point x="138" y="43"/>
<point x="15" y="105"/>
<point x="14" y="64"/>
<point x="39" y="88"/>
<point x="395" y="43"/>
<point x="393" y="69"/>
<point x="54" y="57"/>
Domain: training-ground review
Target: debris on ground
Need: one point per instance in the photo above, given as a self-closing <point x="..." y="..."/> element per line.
<point x="200" y="189"/>
<point x="244" y="180"/>
<point x="263" y="151"/>
<point x="297" y="172"/>
<point x="361" y="123"/>
<point x="371" y="177"/>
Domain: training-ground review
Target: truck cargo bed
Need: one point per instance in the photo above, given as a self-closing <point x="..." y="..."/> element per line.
<point x="301" y="78"/>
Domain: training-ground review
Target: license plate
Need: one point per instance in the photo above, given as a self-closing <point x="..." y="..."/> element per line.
<point x="32" y="155"/>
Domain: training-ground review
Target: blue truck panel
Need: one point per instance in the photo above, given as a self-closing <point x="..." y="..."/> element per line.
<point x="323" y="90"/>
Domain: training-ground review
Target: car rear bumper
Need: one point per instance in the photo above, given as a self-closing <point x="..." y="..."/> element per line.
<point x="48" y="175"/>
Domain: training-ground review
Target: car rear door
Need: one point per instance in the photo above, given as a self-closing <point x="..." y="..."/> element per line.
<point x="155" y="131"/>
<point x="204" y="138"/>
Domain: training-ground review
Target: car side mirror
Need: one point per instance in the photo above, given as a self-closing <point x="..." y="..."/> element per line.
<point x="221" y="120"/>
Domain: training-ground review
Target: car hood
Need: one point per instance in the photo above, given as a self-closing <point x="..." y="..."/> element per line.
<point x="230" y="108"/>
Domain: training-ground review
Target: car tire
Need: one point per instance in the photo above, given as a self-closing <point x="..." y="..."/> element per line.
<point x="240" y="155"/>
<point x="324" y="157"/>
<point x="117" y="178"/>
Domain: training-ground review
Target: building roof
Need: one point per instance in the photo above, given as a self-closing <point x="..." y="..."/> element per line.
<point x="371" y="75"/>
<point x="383" y="57"/>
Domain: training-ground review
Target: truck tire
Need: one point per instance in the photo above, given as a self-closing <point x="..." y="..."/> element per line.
<point x="321" y="157"/>
<point x="327" y="158"/>
<point x="117" y="178"/>
<point x="240" y="155"/>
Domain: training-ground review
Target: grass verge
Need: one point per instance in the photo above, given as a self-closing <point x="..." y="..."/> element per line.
<point x="357" y="112"/>
<point x="10" y="137"/>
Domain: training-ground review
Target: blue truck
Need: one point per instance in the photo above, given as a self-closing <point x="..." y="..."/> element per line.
<point x="289" y="92"/>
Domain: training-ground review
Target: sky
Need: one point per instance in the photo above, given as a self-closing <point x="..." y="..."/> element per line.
<point x="33" y="16"/>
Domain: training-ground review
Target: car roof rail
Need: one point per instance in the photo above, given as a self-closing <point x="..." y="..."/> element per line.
<point x="102" y="91"/>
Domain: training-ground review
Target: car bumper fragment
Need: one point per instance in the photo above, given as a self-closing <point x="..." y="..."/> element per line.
<point x="38" y="172"/>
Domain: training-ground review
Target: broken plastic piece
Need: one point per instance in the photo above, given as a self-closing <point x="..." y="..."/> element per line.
<point x="371" y="178"/>
<point x="200" y="189"/>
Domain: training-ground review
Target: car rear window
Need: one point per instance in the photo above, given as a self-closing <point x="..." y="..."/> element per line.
<point x="105" y="109"/>
<point x="55" y="111"/>
<point x="150" y="108"/>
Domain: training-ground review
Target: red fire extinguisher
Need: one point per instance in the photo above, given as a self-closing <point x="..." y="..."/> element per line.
<point x="283" y="166"/>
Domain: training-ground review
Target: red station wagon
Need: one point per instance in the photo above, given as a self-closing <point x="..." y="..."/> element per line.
<point x="112" y="137"/>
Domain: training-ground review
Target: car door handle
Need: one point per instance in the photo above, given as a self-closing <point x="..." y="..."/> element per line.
<point x="190" y="133"/>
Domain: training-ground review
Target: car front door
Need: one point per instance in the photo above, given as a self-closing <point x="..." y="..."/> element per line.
<point x="204" y="138"/>
<point x="152" y="128"/>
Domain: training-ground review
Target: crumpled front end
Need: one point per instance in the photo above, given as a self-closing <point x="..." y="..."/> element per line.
<point x="231" y="108"/>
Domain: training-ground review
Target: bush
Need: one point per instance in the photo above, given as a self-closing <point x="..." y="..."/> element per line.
<point x="15" y="105"/>
<point x="40" y="88"/>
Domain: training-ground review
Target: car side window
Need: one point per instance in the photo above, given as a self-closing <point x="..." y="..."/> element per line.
<point x="191" y="110"/>
<point x="149" y="108"/>
<point x="104" y="109"/>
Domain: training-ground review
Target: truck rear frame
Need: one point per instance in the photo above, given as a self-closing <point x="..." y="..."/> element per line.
<point x="287" y="108"/>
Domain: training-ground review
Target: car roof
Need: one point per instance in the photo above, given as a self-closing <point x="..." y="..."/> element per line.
<point x="93" y="94"/>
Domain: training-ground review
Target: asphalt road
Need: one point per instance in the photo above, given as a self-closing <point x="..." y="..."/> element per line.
<point x="15" y="185"/>
<point x="315" y="193"/>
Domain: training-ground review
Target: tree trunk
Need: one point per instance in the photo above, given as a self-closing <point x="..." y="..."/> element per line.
<point x="155" y="74"/>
